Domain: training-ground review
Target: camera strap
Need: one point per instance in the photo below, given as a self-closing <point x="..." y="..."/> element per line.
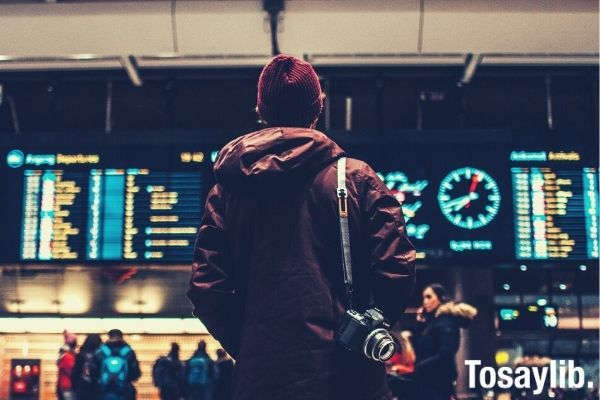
<point x="342" y="196"/>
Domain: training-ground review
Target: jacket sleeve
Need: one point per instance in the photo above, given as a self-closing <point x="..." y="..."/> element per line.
<point x="211" y="288"/>
<point x="134" y="367"/>
<point x="448" y="339"/>
<point x="392" y="255"/>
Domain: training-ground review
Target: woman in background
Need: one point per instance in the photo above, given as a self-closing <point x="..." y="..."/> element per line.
<point x="83" y="374"/>
<point x="441" y="318"/>
<point x="65" y="363"/>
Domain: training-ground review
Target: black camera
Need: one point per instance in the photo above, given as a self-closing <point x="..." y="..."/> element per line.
<point x="367" y="333"/>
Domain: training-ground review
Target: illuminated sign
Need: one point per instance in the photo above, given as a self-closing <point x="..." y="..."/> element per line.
<point x="68" y="159"/>
<point x="409" y="194"/>
<point x="509" y="314"/>
<point x="467" y="245"/>
<point x="528" y="156"/>
<point x="15" y="158"/>
<point x="145" y="204"/>
<point x="529" y="317"/>
<point x="196" y="157"/>
<point x="469" y="198"/>
<point x="556" y="213"/>
<point x="563" y="156"/>
<point x="104" y="214"/>
<point x="40" y="159"/>
<point x="545" y="156"/>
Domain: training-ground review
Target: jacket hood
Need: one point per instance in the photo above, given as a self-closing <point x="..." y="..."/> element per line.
<point x="273" y="158"/>
<point x="464" y="312"/>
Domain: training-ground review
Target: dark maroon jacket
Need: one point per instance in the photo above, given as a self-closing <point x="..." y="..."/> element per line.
<point x="267" y="277"/>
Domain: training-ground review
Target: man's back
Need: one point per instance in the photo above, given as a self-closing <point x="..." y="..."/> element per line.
<point x="116" y="368"/>
<point x="200" y="370"/>
<point x="268" y="258"/>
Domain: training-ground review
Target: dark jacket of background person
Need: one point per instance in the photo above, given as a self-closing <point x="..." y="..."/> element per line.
<point x="435" y="367"/>
<point x="225" y="368"/>
<point x="112" y="392"/>
<point x="168" y="376"/>
<point x="84" y="375"/>
<point x="267" y="279"/>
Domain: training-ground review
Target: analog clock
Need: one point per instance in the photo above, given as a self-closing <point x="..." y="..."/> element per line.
<point x="469" y="198"/>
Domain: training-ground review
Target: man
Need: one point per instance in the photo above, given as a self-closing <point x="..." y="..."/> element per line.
<point x="267" y="278"/>
<point x="201" y="374"/>
<point x="167" y="375"/>
<point x="116" y="368"/>
<point x="225" y="373"/>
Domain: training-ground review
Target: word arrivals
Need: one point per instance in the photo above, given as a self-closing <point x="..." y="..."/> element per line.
<point x="562" y="374"/>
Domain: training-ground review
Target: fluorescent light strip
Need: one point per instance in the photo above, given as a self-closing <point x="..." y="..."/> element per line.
<point x="102" y="325"/>
<point x="128" y="63"/>
<point x="386" y="59"/>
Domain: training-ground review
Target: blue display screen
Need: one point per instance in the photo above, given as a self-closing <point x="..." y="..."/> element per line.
<point x="493" y="202"/>
<point x="556" y="212"/>
<point x="477" y="202"/>
<point x="110" y="206"/>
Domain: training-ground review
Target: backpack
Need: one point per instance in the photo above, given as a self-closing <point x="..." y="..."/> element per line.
<point x="198" y="371"/>
<point x="87" y="368"/>
<point x="159" y="371"/>
<point x="114" y="369"/>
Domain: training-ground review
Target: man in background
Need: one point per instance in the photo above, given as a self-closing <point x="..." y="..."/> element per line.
<point x="201" y="374"/>
<point x="117" y="368"/>
<point x="167" y="375"/>
<point x="225" y="368"/>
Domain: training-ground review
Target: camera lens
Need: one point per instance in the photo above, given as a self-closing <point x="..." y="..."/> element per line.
<point x="379" y="345"/>
<point x="386" y="349"/>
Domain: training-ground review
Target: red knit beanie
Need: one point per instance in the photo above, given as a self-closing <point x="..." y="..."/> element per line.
<point x="289" y="92"/>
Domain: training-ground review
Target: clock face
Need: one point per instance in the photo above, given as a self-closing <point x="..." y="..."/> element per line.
<point x="469" y="198"/>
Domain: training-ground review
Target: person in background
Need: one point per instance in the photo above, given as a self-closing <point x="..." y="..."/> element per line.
<point x="117" y="367"/>
<point x="403" y="361"/>
<point x="440" y="318"/>
<point x="401" y="366"/>
<point x="225" y="369"/>
<point x="167" y="375"/>
<point x="84" y="383"/>
<point x="201" y="374"/>
<point x="65" y="363"/>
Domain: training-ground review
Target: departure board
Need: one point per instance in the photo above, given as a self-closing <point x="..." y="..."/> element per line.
<point x="141" y="214"/>
<point x="555" y="212"/>
<point x="493" y="204"/>
<point x="54" y="215"/>
<point x="88" y="211"/>
<point x="475" y="203"/>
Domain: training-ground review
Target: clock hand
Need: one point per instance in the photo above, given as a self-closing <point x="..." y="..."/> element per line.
<point x="474" y="182"/>
<point x="461" y="202"/>
<point x="466" y="201"/>
<point x="458" y="201"/>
